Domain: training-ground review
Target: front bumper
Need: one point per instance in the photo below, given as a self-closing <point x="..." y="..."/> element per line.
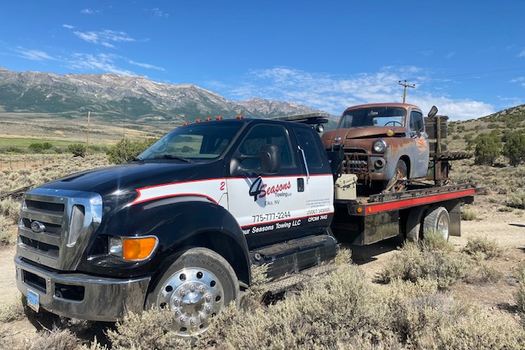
<point x="92" y="298"/>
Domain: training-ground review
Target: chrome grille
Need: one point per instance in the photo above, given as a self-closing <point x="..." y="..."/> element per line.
<point x="355" y="162"/>
<point x="55" y="226"/>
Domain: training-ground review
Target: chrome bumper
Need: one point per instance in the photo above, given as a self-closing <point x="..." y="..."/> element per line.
<point x="103" y="299"/>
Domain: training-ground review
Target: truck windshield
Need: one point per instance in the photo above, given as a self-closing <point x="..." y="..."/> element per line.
<point x="373" y="116"/>
<point x="186" y="143"/>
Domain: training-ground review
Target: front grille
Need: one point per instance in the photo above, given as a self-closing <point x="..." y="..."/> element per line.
<point x="355" y="162"/>
<point x="55" y="226"/>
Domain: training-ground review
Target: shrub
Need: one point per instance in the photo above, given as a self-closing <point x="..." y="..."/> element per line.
<point x="516" y="200"/>
<point x="514" y="147"/>
<point x="488" y="249"/>
<point x="487" y="149"/>
<point x="11" y="312"/>
<point x="520" y="294"/>
<point x="77" y="149"/>
<point x="413" y="263"/>
<point x="125" y="150"/>
<point x="483" y="273"/>
<point x="39" y="147"/>
<point x="468" y="214"/>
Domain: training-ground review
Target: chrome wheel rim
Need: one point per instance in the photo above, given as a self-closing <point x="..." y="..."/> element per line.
<point x="194" y="295"/>
<point x="442" y="226"/>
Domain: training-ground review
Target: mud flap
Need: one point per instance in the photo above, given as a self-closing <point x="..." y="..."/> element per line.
<point x="454" y="213"/>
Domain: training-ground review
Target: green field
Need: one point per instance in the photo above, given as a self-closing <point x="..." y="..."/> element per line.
<point x="24" y="142"/>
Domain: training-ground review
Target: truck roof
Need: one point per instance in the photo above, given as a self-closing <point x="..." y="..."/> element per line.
<point x="249" y="121"/>
<point x="384" y="104"/>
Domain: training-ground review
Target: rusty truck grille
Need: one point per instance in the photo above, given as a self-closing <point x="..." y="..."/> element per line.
<point x="55" y="225"/>
<point x="355" y="162"/>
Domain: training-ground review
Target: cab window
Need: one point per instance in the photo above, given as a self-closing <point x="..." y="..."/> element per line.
<point x="311" y="147"/>
<point x="416" y="121"/>
<point x="260" y="136"/>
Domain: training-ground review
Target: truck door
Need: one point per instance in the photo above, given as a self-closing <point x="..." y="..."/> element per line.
<point x="420" y="150"/>
<point x="319" y="184"/>
<point x="269" y="208"/>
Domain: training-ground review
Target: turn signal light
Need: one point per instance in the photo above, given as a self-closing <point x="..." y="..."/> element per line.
<point x="138" y="248"/>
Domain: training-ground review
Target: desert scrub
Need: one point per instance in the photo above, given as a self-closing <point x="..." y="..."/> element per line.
<point x="340" y="310"/>
<point x="520" y="294"/>
<point x="482" y="247"/>
<point x="516" y="200"/>
<point x="434" y="259"/>
<point x="7" y="231"/>
<point x="11" y="311"/>
<point x="468" y="214"/>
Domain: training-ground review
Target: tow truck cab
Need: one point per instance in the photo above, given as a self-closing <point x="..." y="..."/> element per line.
<point x="181" y="226"/>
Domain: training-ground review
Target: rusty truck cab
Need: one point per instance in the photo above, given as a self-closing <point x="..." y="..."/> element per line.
<point x="379" y="138"/>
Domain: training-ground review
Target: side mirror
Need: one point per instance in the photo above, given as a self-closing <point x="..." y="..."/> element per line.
<point x="319" y="128"/>
<point x="270" y="159"/>
<point x="433" y="111"/>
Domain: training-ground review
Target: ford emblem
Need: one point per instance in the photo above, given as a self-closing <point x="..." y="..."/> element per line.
<point x="37" y="227"/>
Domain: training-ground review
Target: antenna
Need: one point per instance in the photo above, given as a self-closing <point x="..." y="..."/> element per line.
<point x="405" y="84"/>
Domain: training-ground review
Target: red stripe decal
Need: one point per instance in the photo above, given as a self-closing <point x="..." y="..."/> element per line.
<point x="138" y="200"/>
<point x="406" y="203"/>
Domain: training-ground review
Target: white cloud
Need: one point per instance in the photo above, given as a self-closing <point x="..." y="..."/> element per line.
<point x="99" y="62"/>
<point x="519" y="80"/>
<point x="146" y="65"/>
<point x="334" y="93"/>
<point x="450" y="55"/>
<point x="88" y="11"/>
<point x="106" y="37"/>
<point x="522" y="53"/>
<point x="158" y="12"/>
<point x="68" y="26"/>
<point x="34" y="55"/>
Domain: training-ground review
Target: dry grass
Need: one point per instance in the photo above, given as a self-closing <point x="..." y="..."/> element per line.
<point x="416" y="262"/>
<point x="483" y="247"/>
<point x="11" y="312"/>
<point x="340" y="311"/>
<point x="468" y="214"/>
<point x="44" y="171"/>
<point x="435" y="259"/>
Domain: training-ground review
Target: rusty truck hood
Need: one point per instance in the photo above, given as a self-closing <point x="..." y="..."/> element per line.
<point x="361" y="133"/>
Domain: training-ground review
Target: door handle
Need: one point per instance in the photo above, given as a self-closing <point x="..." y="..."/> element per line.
<point x="300" y="184"/>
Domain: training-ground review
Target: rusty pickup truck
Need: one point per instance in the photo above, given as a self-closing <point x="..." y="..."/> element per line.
<point x="384" y="144"/>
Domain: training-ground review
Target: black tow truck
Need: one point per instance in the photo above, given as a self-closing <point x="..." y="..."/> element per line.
<point x="182" y="225"/>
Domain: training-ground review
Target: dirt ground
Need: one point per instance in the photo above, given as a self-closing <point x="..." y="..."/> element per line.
<point x="507" y="228"/>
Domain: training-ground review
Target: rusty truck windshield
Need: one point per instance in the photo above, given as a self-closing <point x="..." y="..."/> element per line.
<point x="373" y="116"/>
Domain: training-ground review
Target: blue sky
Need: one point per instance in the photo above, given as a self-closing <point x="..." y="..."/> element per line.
<point x="467" y="57"/>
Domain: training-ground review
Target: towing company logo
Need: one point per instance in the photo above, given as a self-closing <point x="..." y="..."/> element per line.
<point x="258" y="189"/>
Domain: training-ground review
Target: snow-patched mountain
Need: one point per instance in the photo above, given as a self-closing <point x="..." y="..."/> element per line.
<point x="132" y="97"/>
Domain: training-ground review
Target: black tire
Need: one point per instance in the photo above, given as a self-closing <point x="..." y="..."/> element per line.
<point x="200" y="282"/>
<point x="437" y="220"/>
<point x="413" y="228"/>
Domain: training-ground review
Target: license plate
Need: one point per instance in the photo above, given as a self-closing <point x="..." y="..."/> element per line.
<point x="33" y="300"/>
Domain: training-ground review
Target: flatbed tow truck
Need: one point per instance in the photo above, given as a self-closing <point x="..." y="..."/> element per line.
<point x="181" y="227"/>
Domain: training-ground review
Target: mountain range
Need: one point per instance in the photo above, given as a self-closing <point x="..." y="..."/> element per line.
<point x="112" y="96"/>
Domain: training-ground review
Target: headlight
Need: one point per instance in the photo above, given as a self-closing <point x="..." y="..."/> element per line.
<point x="133" y="248"/>
<point x="379" y="146"/>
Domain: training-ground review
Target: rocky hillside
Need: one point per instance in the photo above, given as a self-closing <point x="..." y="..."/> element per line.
<point x="112" y="96"/>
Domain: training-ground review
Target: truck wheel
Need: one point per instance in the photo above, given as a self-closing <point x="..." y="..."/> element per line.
<point x="413" y="225"/>
<point x="437" y="221"/>
<point x="195" y="288"/>
<point x="396" y="183"/>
